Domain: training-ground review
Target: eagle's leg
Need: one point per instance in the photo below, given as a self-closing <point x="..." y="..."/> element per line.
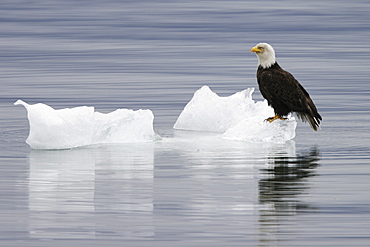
<point x="272" y="119"/>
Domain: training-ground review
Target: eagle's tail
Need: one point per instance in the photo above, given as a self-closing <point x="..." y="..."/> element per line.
<point x="312" y="118"/>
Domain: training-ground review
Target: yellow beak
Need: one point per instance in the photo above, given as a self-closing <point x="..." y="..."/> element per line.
<point x="256" y="49"/>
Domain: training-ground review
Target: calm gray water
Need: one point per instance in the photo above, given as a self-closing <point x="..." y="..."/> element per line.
<point x="189" y="189"/>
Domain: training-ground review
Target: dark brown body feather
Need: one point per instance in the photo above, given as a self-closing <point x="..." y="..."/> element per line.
<point x="285" y="94"/>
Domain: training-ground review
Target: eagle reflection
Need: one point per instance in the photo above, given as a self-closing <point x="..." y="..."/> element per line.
<point x="286" y="177"/>
<point x="279" y="192"/>
<point x="286" y="180"/>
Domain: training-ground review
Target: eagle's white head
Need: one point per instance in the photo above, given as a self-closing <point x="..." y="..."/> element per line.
<point x="265" y="54"/>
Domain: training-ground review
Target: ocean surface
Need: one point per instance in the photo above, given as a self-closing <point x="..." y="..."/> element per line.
<point x="184" y="190"/>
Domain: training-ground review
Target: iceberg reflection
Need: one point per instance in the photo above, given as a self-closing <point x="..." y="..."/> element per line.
<point x="215" y="181"/>
<point x="70" y="192"/>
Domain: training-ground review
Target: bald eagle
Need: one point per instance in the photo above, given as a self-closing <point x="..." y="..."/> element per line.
<point x="282" y="91"/>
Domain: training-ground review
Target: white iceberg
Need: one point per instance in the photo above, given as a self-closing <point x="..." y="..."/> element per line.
<point x="81" y="126"/>
<point x="237" y="116"/>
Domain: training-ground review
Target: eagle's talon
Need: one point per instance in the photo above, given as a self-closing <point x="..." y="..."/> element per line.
<point x="272" y="119"/>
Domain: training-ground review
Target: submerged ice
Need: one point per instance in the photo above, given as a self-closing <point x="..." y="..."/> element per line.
<point x="237" y="117"/>
<point x="81" y="126"/>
